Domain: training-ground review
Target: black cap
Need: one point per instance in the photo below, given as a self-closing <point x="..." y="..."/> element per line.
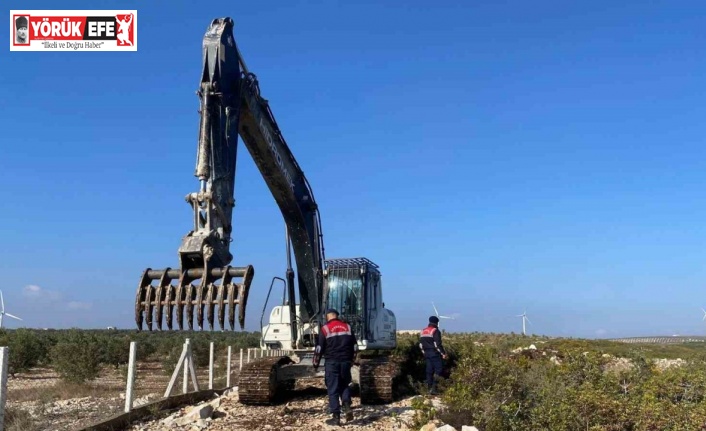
<point x="433" y="319"/>
<point x="332" y="311"/>
<point x="21" y="22"/>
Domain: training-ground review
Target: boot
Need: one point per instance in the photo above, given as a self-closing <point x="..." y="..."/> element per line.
<point x="347" y="412"/>
<point x="335" y="420"/>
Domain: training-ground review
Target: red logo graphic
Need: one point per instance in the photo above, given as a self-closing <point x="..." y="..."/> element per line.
<point x="126" y="31"/>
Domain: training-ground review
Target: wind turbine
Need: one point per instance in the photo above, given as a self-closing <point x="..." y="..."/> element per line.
<point x="524" y="318"/>
<point x="438" y="315"/>
<point x="2" y="312"/>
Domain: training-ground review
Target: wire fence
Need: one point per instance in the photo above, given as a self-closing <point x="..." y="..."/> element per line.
<point x="40" y="399"/>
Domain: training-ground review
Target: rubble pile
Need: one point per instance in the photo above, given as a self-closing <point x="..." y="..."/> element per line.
<point x="307" y="410"/>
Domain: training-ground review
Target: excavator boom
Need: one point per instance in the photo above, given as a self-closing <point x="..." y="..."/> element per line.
<point x="231" y="105"/>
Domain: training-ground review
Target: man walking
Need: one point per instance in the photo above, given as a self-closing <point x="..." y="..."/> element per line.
<point x="434" y="352"/>
<point x="338" y="346"/>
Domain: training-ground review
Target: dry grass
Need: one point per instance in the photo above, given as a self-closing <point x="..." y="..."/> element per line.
<point x="19" y="420"/>
<point x="63" y="391"/>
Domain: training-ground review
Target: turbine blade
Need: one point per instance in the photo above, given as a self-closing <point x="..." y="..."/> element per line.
<point x="435" y="310"/>
<point x="2" y="301"/>
<point x="10" y="315"/>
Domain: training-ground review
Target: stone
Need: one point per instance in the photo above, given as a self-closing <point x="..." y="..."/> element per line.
<point x="216" y="403"/>
<point x="446" y="428"/>
<point x="199" y="412"/>
<point x="168" y="421"/>
<point x="431" y="426"/>
<point x="437" y="404"/>
<point x="467" y="428"/>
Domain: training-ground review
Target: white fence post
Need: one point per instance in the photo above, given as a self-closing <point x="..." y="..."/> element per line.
<point x="241" y="359"/>
<point x="172" y="381"/>
<point x="4" y="359"/>
<point x="192" y="371"/>
<point x="210" y="367"/>
<point x="248" y="355"/>
<point x="228" y="369"/>
<point x="130" y="377"/>
<point x="187" y="359"/>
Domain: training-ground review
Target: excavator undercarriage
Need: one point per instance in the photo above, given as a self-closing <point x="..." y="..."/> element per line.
<point x="267" y="380"/>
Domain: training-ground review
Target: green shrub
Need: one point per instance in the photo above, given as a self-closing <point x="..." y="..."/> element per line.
<point x="424" y="412"/>
<point x="115" y="350"/>
<point x="77" y="356"/>
<point x="567" y="385"/>
<point x="26" y="350"/>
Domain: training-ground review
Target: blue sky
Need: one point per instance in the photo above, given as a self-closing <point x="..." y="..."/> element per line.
<point x="492" y="157"/>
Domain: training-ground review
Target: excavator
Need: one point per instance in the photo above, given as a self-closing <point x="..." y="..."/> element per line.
<point x="205" y="284"/>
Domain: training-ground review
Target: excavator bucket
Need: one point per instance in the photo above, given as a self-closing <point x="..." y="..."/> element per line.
<point x="160" y="291"/>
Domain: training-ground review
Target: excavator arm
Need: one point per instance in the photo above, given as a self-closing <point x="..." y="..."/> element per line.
<point x="231" y="105"/>
<point x="291" y="191"/>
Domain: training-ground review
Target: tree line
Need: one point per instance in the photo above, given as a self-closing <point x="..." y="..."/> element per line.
<point x="78" y="355"/>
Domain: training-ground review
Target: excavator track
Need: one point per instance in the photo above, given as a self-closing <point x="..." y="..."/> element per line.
<point x="377" y="377"/>
<point x="258" y="383"/>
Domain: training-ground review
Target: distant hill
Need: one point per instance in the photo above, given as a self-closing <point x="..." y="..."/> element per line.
<point x="661" y="339"/>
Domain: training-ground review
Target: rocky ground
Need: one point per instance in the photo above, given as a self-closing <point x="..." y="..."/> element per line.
<point x="46" y="403"/>
<point x="306" y="409"/>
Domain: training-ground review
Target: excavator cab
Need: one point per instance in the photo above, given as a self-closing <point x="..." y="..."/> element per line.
<point x="355" y="290"/>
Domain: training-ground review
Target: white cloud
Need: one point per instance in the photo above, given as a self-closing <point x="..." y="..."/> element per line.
<point x="601" y="332"/>
<point x="76" y="305"/>
<point x="32" y="291"/>
<point x="35" y="292"/>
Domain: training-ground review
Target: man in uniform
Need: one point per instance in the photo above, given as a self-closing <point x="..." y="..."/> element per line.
<point x="338" y="346"/>
<point x="434" y="352"/>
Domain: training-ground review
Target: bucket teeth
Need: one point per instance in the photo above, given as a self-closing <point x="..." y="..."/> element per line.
<point x="192" y="288"/>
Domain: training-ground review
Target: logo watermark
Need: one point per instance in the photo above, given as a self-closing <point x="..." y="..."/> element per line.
<point x="73" y="30"/>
